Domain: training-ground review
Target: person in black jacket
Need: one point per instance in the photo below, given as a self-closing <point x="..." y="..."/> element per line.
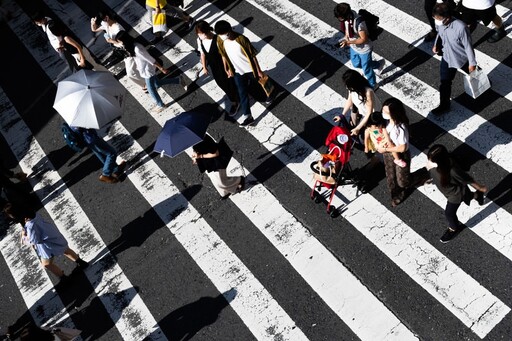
<point x="210" y="57"/>
<point x="452" y="181"/>
<point x="212" y="157"/>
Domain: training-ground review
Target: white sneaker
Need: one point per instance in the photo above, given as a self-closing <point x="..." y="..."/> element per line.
<point x="158" y="109"/>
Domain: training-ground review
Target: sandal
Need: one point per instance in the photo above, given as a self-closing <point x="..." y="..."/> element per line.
<point x="145" y="90"/>
<point x="241" y="185"/>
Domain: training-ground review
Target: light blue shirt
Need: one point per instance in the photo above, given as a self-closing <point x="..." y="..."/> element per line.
<point x="457" y="44"/>
<point x="45" y="237"/>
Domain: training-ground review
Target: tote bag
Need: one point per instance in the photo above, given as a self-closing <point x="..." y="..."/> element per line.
<point x="159" y="22"/>
<point x="476" y="83"/>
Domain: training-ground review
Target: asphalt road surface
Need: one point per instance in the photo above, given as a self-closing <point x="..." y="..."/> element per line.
<point x="170" y="261"/>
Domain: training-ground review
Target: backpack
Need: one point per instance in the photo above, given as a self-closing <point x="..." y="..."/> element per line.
<point x="372" y="23"/>
<point x="73" y="139"/>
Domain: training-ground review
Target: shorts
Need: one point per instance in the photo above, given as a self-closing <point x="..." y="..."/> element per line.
<point x="471" y="16"/>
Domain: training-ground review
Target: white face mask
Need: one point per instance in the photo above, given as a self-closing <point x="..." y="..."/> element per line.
<point x="223" y="36"/>
<point x="201" y="36"/>
<point x="385" y="116"/>
<point x="439" y="22"/>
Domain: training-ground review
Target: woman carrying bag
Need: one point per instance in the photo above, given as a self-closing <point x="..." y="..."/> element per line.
<point x="214" y="157"/>
<point x="453" y="182"/>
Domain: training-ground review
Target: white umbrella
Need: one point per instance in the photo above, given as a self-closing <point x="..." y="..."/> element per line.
<point x="89" y="99"/>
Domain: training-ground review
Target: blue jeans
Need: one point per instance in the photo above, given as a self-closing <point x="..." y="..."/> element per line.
<point x="365" y="62"/>
<point x="242" y="83"/>
<point x="154" y="83"/>
<point x="106" y="154"/>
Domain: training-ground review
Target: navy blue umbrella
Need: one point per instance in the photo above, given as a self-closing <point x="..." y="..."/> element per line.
<point x="182" y="132"/>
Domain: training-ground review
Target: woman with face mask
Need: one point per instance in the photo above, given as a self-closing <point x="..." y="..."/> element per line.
<point x="210" y="57"/>
<point x="398" y="178"/>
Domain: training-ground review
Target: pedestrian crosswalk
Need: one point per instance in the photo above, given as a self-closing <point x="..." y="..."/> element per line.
<point x="287" y="270"/>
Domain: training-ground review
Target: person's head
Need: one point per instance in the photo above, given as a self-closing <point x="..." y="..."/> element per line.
<point x="127" y="41"/>
<point x="106" y="17"/>
<point x="439" y="155"/>
<point x="56" y="28"/>
<point x="355" y="82"/>
<point x="376" y="119"/>
<point x="39" y="19"/>
<point x="343" y="12"/>
<point x="18" y="213"/>
<point x="441" y="13"/>
<point x="393" y="109"/>
<point x="224" y="30"/>
<point x="203" y="29"/>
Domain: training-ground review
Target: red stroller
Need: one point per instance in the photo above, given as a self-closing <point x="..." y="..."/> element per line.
<point x="333" y="170"/>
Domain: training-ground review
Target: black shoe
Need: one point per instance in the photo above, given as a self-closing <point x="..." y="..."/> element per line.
<point x="479" y="196"/>
<point x="81" y="263"/>
<point x="449" y="235"/>
<point x="498" y="35"/>
<point x="64" y="280"/>
<point x="441" y="109"/>
<point x="248" y="121"/>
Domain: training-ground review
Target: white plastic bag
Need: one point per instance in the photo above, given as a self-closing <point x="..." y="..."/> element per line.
<point x="476" y="83"/>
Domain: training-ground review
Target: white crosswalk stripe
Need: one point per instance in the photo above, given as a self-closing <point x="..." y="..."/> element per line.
<point x="356" y="303"/>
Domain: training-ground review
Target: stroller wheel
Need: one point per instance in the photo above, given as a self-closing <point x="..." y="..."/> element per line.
<point x="318" y="199"/>
<point x="333" y="212"/>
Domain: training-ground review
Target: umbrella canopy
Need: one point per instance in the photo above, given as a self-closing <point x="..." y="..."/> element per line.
<point x="89" y="99"/>
<point x="182" y="132"/>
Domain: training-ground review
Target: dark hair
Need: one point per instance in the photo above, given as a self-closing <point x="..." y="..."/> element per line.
<point x="34" y="333"/>
<point x="355" y="82"/>
<point x="56" y="28"/>
<point x="102" y="14"/>
<point x="396" y="111"/>
<point x="223" y="27"/>
<point x="442" y="10"/>
<point x="18" y="213"/>
<point x="439" y="154"/>
<point x="376" y="119"/>
<point x="343" y="11"/>
<point x="37" y="16"/>
<point x="128" y="42"/>
<point x="203" y="27"/>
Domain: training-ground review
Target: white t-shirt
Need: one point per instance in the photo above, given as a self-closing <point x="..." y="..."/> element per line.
<point x="112" y="31"/>
<point x="361" y="107"/>
<point x="207" y="43"/>
<point x="54" y="40"/>
<point x="399" y="135"/>
<point x="478" y="4"/>
<point x="237" y="57"/>
<point x="144" y="61"/>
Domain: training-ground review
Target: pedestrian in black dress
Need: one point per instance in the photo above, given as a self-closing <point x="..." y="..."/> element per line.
<point x="210" y="57"/>
<point x="453" y="182"/>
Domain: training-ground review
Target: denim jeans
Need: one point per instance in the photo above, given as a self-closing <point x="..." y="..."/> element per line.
<point x="447" y="74"/>
<point x="154" y="83"/>
<point x="365" y="62"/>
<point x="242" y="85"/>
<point x="106" y="154"/>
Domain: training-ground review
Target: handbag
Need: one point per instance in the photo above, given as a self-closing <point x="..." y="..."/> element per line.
<point x="476" y="83"/>
<point x="159" y="22"/>
<point x="267" y="84"/>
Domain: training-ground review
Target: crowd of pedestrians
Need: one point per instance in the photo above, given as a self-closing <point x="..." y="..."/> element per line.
<point x="231" y="59"/>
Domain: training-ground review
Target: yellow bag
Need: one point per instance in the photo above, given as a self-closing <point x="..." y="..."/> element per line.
<point x="159" y="22"/>
<point x="267" y="84"/>
<point x="152" y="3"/>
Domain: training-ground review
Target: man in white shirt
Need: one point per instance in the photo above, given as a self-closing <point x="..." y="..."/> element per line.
<point x="484" y="10"/>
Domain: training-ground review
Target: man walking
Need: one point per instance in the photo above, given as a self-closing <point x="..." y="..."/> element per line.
<point x="484" y="10"/>
<point x="457" y="50"/>
<point x="240" y="62"/>
<point x="357" y="37"/>
<point x="105" y="153"/>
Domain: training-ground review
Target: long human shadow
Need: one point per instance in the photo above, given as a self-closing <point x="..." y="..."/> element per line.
<point x="184" y="323"/>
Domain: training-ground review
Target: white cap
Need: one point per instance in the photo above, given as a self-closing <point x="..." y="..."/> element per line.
<point x="342" y="138"/>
